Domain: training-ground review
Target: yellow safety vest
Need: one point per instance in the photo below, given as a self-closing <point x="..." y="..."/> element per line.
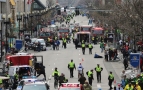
<point x="0" y="81"/>
<point x="98" y="69"/>
<point x="130" y="88"/>
<point x="71" y="64"/>
<point x="92" y="38"/>
<point x="111" y="76"/>
<point x="90" y="46"/>
<point x="16" y="76"/>
<point x="83" y="45"/>
<point x="65" y="41"/>
<point x="89" y="73"/>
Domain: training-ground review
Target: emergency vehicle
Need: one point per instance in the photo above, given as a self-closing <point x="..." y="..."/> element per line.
<point x="83" y="35"/>
<point x="45" y="33"/>
<point x="25" y="79"/>
<point x="25" y="63"/>
<point x="97" y="31"/>
<point x="86" y="28"/>
<point x="71" y="86"/>
<point x="35" y="85"/>
<point x="63" y="32"/>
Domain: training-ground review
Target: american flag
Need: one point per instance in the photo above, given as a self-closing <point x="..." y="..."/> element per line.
<point x="30" y="1"/>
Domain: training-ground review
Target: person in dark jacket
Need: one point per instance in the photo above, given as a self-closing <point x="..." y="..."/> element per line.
<point x="125" y="62"/>
<point x="62" y="79"/>
<point x="42" y="71"/>
<point x="76" y="43"/>
<point x="82" y="79"/>
<point x="110" y="54"/>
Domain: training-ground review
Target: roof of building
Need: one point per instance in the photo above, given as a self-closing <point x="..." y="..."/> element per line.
<point x="37" y="5"/>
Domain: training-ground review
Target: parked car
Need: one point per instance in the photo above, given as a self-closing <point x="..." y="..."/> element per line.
<point x="43" y="44"/>
<point x="31" y="44"/>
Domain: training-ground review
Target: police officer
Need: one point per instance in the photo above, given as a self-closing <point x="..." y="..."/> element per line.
<point x="93" y="39"/>
<point x="90" y="48"/>
<point x="65" y="43"/>
<point x="98" y="70"/>
<point x="83" y="48"/>
<point x="56" y="74"/>
<point x="90" y="76"/>
<point x="16" y="76"/>
<point x="111" y="79"/>
<point x="71" y="67"/>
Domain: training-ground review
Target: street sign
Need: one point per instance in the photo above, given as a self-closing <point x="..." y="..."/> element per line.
<point x="18" y="44"/>
<point x="135" y="59"/>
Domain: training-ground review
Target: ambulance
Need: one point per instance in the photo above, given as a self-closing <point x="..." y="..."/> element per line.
<point x="71" y="86"/>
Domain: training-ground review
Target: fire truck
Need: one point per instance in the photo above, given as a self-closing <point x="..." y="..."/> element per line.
<point x="86" y="28"/>
<point x="63" y="32"/>
<point x="83" y="35"/>
<point x="97" y="31"/>
<point x="24" y="63"/>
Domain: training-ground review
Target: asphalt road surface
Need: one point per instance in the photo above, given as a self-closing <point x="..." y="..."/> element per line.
<point x="60" y="59"/>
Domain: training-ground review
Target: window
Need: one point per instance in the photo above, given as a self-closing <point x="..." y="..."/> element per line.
<point x="63" y="30"/>
<point x="35" y="87"/>
<point x="84" y="28"/>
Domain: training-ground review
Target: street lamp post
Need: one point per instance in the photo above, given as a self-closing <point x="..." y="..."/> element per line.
<point x="6" y="35"/>
<point x="31" y="16"/>
<point x="25" y="19"/>
<point x="19" y="18"/>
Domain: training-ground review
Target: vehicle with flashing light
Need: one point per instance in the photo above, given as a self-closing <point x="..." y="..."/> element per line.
<point x="83" y="36"/>
<point x="25" y="79"/>
<point x="30" y="45"/>
<point x="86" y="28"/>
<point x="97" y="31"/>
<point x="36" y="85"/>
<point x="42" y="44"/>
<point x="70" y="86"/>
<point x="63" y="32"/>
<point x="28" y="62"/>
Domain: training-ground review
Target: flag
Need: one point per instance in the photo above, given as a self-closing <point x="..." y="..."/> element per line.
<point x="29" y="2"/>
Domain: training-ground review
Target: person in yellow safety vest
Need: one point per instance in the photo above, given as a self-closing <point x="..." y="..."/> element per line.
<point x="1" y="83"/>
<point x="137" y="86"/>
<point x="98" y="70"/>
<point x="16" y="76"/>
<point x="56" y="38"/>
<point x="49" y="39"/>
<point x="129" y="87"/>
<point x="6" y="74"/>
<point x="90" y="76"/>
<point x="11" y="45"/>
<point x="111" y="79"/>
<point x="71" y="67"/>
<point x="65" y="43"/>
<point x="83" y="48"/>
<point x="90" y="48"/>
<point x="93" y="39"/>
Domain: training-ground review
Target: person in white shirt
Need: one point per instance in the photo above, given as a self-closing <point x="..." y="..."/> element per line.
<point x="80" y="69"/>
<point x="122" y="75"/>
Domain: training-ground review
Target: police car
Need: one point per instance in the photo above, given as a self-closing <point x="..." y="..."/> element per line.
<point x="71" y="86"/>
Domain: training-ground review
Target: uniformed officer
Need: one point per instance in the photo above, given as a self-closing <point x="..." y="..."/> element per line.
<point x="90" y="76"/>
<point x="65" y="43"/>
<point x="90" y="48"/>
<point x="56" y="73"/>
<point x="98" y="70"/>
<point x="1" y="84"/>
<point x="16" y="76"/>
<point x="93" y="40"/>
<point x="71" y="67"/>
<point x="83" y="48"/>
<point x="111" y="79"/>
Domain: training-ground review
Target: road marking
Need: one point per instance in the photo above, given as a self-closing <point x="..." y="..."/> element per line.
<point x="54" y="63"/>
<point x="57" y="54"/>
<point x="52" y="69"/>
<point x="79" y="54"/>
<point x="79" y="58"/>
<point x="98" y="86"/>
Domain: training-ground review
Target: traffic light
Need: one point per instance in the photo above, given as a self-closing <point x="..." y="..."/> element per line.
<point x="59" y="12"/>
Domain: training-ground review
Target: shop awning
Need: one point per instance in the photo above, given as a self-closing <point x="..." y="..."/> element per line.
<point x="12" y="2"/>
